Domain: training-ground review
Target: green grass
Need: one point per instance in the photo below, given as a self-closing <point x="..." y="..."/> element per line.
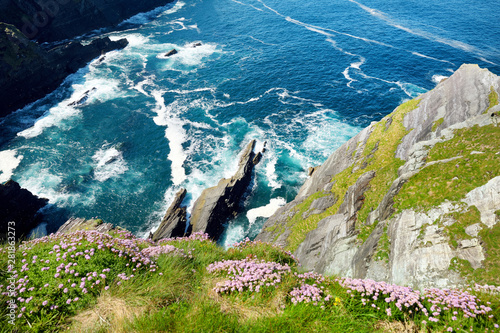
<point x="493" y="99"/>
<point x="384" y="247"/>
<point x="380" y="160"/>
<point x="437" y="123"/>
<point x="179" y="296"/>
<point x="15" y="49"/>
<point x="456" y="231"/>
<point x="453" y="180"/>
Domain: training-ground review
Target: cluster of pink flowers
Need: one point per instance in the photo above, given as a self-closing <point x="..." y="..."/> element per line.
<point x="433" y="303"/>
<point x="486" y="289"/>
<point x="199" y="236"/>
<point x="307" y="293"/>
<point x="447" y="299"/>
<point x="155" y="251"/>
<point x="248" y="274"/>
<point x="249" y="243"/>
<point x="62" y="269"/>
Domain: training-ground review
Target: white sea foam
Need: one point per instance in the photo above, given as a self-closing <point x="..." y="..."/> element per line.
<point x="175" y="134"/>
<point x="109" y="163"/>
<point x="265" y="211"/>
<point x="143" y="18"/>
<point x="148" y="81"/>
<point x="41" y="181"/>
<point x="424" y="34"/>
<point x="438" y="78"/>
<point x="134" y="40"/>
<point x="270" y="168"/>
<point x="51" y="118"/>
<point x="412" y="90"/>
<point x="245" y="4"/>
<point x="432" y="58"/>
<point x="193" y="56"/>
<point x="93" y="89"/>
<point x="234" y="233"/>
<point x="8" y="163"/>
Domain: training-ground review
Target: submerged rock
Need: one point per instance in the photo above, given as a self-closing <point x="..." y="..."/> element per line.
<point x="18" y="210"/>
<point x="174" y="222"/>
<point x="171" y="53"/>
<point x="216" y="204"/>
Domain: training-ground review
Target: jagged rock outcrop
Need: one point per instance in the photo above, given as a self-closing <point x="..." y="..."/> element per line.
<point x="29" y="72"/>
<point x="171" y="53"/>
<point x="174" y="221"/>
<point x="216" y="204"/>
<point x="77" y="223"/>
<point x="20" y="206"/>
<point x="55" y="20"/>
<point x="417" y="192"/>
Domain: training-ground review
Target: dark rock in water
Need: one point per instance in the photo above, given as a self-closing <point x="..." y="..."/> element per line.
<point x="216" y="204"/>
<point x="34" y="71"/>
<point x="171" y="53"/>
<point x="18" y="210"/>
<point x="196" y="44"/>
<point x="82" y="99"/>
<point x="174" y="222"/>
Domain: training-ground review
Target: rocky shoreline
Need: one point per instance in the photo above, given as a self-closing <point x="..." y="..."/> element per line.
<point x="30" y="70"/>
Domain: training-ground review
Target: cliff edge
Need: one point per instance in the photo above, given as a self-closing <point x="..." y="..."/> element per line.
<point x="413" y="199"/>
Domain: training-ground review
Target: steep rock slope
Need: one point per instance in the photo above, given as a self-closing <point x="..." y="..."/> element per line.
<point x="413" y="199"/>
<point x="54" y="20"/>
<point x="29" y="72"/>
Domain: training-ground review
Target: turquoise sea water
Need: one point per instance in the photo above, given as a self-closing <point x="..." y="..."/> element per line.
<point x="305" y="76"/>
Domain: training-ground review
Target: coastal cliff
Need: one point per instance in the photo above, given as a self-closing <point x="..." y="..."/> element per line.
<point x="56" y="20"/>
<point x="30" y="70"/>
<point x="413" y="199"/>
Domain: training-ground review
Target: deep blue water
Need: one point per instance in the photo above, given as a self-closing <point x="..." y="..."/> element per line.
<point x="305" y="76"/>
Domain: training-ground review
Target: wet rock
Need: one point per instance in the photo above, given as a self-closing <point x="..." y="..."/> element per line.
<point x="174" y="221"/>
<point x="18" y="210"/>
<point x="216" y="204"/>
<point x="171" y="53"/>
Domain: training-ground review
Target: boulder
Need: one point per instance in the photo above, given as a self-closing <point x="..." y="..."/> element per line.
<point x="171" y="53"/>
<point x="174" y="221"/>
<point x="217" y="204"/>
<point x="18" y="210"/>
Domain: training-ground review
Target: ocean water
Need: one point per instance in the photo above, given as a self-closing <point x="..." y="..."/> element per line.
<point x="117" y="139"/>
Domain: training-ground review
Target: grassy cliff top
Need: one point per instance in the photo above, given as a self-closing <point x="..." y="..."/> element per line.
<point x="87" y="281"/>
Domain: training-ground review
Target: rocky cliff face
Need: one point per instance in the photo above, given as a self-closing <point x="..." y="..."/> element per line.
<point x="413" y="199"/>
<point x="55" y="20"/>
<point x="18" y="210"/>
<point x="217" y="204"/>
<point x="30" y="72"/>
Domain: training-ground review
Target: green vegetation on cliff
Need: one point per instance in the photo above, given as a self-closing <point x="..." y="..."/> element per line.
<point x="476" y="162"/>
<point x="92" y="282"/>
<point x="493" y="99"/>
<point x="15" y="48"/>
<point x="378" y="156"/>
